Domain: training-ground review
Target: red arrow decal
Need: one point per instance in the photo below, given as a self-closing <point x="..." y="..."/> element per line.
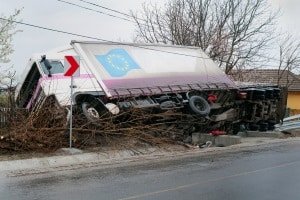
<point x="73" y="66"/>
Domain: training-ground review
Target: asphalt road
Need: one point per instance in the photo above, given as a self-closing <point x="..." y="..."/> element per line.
<point x="271" y="172"/>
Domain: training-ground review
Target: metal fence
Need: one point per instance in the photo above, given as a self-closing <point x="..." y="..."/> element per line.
<point x="4" y="117"/>
<point x="289" y="123"/>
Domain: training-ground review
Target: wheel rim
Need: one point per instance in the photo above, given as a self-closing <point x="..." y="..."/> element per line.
<point x="89" y="111"/>
<point x="199" y="105"/>
<point x="93" y="113"/>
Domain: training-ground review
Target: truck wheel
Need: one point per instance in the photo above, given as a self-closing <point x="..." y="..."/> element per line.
<point x="271" y="124"/>
<point x="199" y="106"/>
<point x="263" y="127"/>
<point x="253" y="127"/>
<point x="90" y="112"/>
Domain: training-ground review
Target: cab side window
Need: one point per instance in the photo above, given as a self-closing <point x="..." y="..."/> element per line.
<point x="29" y="86"/>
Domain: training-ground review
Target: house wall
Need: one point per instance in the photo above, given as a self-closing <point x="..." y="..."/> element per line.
<point x="293" y="102"/>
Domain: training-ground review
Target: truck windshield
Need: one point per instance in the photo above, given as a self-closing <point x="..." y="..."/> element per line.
<point x="57" y="67"/>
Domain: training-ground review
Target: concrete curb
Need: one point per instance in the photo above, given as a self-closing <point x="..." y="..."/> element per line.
<point x="270" y="134"/>
<point x="75" y="161"/>
<point x="102" y="159"/>
<point x="63" y="161"/>
<point x="219" y="140"/>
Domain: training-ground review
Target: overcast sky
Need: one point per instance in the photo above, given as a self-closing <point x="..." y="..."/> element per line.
<point x="61" y="16"/>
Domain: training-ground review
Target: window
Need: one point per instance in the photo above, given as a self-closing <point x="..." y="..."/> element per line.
<point x="57" y="67"/>
<point x="28" y="86"/>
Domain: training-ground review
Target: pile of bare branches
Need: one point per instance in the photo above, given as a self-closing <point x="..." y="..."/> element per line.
<point x="48" y="130"/>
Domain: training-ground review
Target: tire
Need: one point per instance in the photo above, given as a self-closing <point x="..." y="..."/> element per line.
<point x="90" y="112"/>
<point x="164" y="98"/>
<point x="259" y="92"/>
<point x="263" y="124"/>
<point x="253" y="127"/>
<point x="167" y="105"/>
<point x="199" y="106"/>
<point x="269" y="93"/>
<point x="259" y="97"/>
<point x="263" y="127"/>
<point x="236" y="128"/>
<point x="271" y="128"/>
<point x="271" y="124"/>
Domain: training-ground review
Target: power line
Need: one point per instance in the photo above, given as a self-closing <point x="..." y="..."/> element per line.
<point x="112" y="10"/>
<point x="54" y="30"/>
<point x="127" y="15"/>
<point x="95" y="10"/>
<point x="103" y="40"/>
<point x="118" y="43"/>
<point x="106" y="8"/>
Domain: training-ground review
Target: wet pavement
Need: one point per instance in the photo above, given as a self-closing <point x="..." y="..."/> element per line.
<point x="261" y="172"/>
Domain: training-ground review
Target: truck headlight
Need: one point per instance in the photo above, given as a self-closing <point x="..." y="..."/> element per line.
<point x="113" y="108"/>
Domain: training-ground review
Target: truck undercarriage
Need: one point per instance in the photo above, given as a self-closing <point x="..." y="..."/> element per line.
<point x="231" y="111"/>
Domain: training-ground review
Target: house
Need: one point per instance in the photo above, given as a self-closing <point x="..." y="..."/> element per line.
<point x="282" y="78"/>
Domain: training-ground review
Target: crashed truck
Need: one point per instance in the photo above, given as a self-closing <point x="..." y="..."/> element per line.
<point x="115" y="77"/>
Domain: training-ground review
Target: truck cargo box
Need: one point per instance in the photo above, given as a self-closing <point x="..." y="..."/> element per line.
<point x="135" y="69"/>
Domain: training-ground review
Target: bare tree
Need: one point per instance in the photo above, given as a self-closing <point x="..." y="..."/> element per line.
<point x="7" y="31"/>
<point x="289" y="59"/>
<point x="289" y="53"/>
<point x="234" y="33"/>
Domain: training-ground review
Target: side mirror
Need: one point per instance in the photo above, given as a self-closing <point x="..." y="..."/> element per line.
<point x="47" y="64"/>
